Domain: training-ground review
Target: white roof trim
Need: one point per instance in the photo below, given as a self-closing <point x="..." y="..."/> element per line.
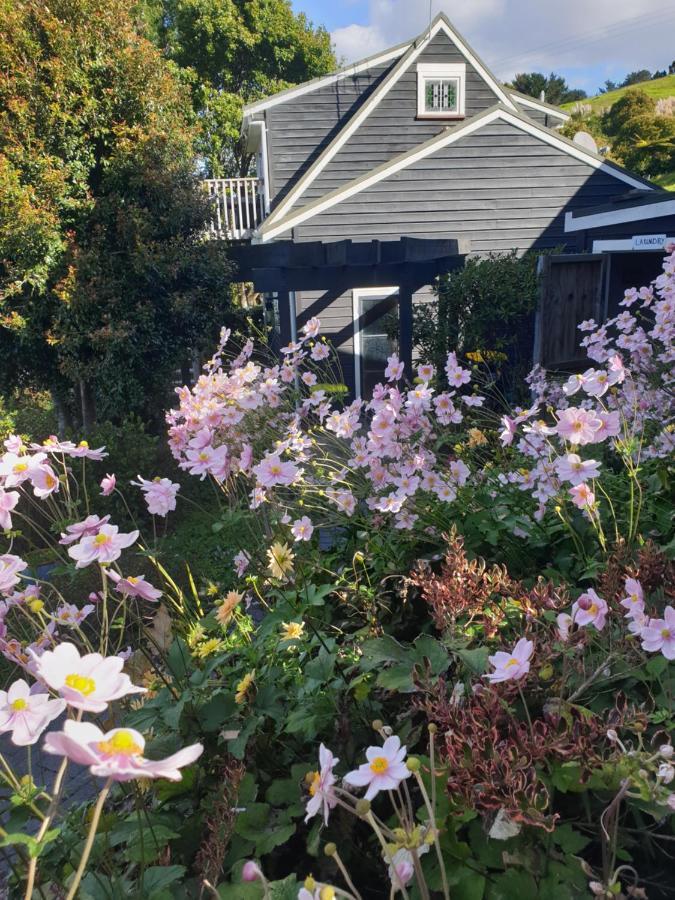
<point x="444" y="139"/>
<point x="581" y="222"/>
<point x="324" y="80"/>
<point x="440" y="24"/>
<point x="543" y="107"/>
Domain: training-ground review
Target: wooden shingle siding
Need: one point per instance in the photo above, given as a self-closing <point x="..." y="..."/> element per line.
<point x="334" y="308"/>
<point x="499" y="187"/>
<point x="392" y="127"/>
<point x="299" y="129"/>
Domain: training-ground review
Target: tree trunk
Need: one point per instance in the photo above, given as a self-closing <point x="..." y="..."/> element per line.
<point x="88" y="406"/>
<point x="64" y="422"/>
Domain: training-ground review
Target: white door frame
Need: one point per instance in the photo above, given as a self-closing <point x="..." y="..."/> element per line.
<point x="357" y="294"/>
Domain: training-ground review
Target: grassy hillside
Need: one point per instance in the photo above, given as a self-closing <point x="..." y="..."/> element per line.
<point x="658" y="88"/>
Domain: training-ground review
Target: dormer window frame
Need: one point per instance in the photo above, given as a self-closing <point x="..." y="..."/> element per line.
<point x="440" y="72"/>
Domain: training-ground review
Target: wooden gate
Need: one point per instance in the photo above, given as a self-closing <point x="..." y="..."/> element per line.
<point x="571" y="290"/>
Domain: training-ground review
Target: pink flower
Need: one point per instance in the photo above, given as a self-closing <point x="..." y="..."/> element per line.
<point x="241" y="562"/>
<point x="322" y="786"/>
<point x="27" y="713"/>
<point x="15" y="468"/>
<point x="319" y="352"/>
<point x="610" y="425"/>
<point x="89" y="682"/>
<point x="272" y="471"/>
<point x="425" y="372"/>
<point x="312" y="327"/>
<point x="634" y="600"/>
<point x="394" y="368"/>
<point x="206" y="461"/>
<point x="108" y="485"/>
<point x="8" y="500"/>
<point x="85" y="452"/>
<point x="578" y="426"/>
<point x="116" y="754"/>
<point x="576" y="470"/>
<point x="44" y="481"/>
<point x="509" y="429"/>
<point x="660" y="634"/>
<point x="511" y="666"/>
<point x="160" y="494"/>
<point x="589" y="609"/>
<point x="582" y="496"/>
<point x="385" y="768"/>
<point x="134" y="586"/>
<point x="250" y="871"/>
<point x="87" y="527"/>
<point x="309" y="378"/>
<point x="104" y="547"/>
<point x="10" y="567"/>
<point x="564" y="621"/>
<point x="70" y="615"/>
<point x="302" y="529"/>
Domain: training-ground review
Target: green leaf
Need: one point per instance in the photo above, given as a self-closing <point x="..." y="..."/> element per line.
<point x="157" y="878"/>
<point x="571" y="842"/>
<point x="217" y="711"/>
<point x="427" y="647"/>
<point x="475" y="660"/>
<point x="382" y="650"/>
<point x="397" y="678"/>
<point x="34" y="847"/>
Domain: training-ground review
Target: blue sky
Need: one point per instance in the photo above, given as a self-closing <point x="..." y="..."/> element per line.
<point x="587" y="41"/>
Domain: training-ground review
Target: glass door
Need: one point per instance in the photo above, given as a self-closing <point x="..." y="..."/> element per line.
<point x="375" y="335"/>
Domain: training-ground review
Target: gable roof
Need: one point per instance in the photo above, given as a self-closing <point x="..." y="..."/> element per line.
<point x="653" y="205"/>
<point x="270" y="229"/>
<point x="525" y="100"/>
<point x="258" y="106"/>
<point x="440" y="23"/>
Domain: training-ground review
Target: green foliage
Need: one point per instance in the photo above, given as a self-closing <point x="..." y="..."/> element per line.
<point x="106" y="284"/>
<point x="233" y="52"/>
<point x="486" y="306"/>
<point x="555" y="88"/>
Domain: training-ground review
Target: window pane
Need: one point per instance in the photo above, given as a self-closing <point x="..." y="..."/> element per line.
<point x="378" y="327"/>
<point x="440" y="94"/>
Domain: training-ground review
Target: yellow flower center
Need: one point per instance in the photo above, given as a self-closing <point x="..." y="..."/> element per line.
<point x="379" y="765"/>
<point x="101" y="539"/>
<point x="275" y="470"/>
<point x="84" y="445"/>
<point x="81" y="683"/>
<point x="20" y="467"/>
<point x="314" y="784"/>
<point x="665" y="632"/>
<point x="132" y="579"/>
<point x="122" y="743"/>
<point x="593" y="608"/>
<point x="19" y="704"/>
<point x="512" y="662"/>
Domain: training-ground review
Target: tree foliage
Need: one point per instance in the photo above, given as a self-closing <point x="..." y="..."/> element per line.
<point x="555" y="87"/>
<point x="105" y="282"/>
<point x="643" y="140"/>
<point x="235" y="51"/>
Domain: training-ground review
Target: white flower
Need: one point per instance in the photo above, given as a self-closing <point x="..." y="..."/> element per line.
<point x="385" y="768"/>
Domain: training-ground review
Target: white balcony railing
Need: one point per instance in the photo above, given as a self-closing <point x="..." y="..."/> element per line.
<point x="238" y="207"/>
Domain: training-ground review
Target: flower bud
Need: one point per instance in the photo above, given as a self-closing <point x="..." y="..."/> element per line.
<point x="413" y="764"/>
<point x="432" y="728"/>
<point x="612" y="735"/>
<point x="378" y="724"/>
<point x="36" y="606"/>
<point x="546" y="672"/>
<point x="310" y="884"/>
<point x="666" y="750"/>
<point x="362" y="807"/>
<point x="250" y="871"/>
<point x="327" y="893"/>
<point x="330" y="849"/>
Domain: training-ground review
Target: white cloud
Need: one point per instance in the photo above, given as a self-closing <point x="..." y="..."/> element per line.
<point x="586" y="37"/>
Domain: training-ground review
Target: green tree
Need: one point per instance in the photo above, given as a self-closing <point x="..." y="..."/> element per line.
<point x="636" y="77"/>
<point x="633" y="103"/>
<point x="555" y="88"/>
<point x="233" y="52"/>
<point x="105" y="281"/>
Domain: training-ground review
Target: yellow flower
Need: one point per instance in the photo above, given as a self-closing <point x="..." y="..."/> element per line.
<point x="206" y="648"/>
<point x="292" y="631"/>
<point x="280" y="559"/>
<point x="243" y="687"/>
<point x="211" y="589"/>
<point x="476" y="437"/>
<point x="195" y="635"/>
<point x="36" y="605"/>
<point x="228" y="606"/>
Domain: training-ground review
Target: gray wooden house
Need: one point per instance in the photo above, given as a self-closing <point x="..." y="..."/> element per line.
<point x="373" y="180"/>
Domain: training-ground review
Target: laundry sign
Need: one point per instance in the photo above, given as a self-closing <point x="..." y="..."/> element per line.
<point x="649" y="241"/>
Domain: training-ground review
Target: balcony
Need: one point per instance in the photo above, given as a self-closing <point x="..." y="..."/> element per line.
<point x="238" y="207"/>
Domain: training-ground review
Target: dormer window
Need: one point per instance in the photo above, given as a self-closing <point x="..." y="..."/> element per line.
<point x="440" y="90"/>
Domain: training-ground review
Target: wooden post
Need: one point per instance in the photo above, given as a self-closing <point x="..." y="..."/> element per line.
<point x="405" y="314"/>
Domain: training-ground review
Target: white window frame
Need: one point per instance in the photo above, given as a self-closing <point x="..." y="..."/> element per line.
<point x="432" y="72"/>
<point x="357" y="294"/>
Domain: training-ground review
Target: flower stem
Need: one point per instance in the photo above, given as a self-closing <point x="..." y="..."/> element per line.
<point x="432" y="824"/>
<point x="98" y="809"/>
<point x="388" y="858"/>
<point x="345" y="874"/>
<point x="46" y="822"/>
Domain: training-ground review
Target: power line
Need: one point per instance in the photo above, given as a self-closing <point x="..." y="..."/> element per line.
<point x="597" y="36"/>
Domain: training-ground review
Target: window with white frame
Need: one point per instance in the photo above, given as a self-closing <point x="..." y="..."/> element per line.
<point x="440" y="90"/>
